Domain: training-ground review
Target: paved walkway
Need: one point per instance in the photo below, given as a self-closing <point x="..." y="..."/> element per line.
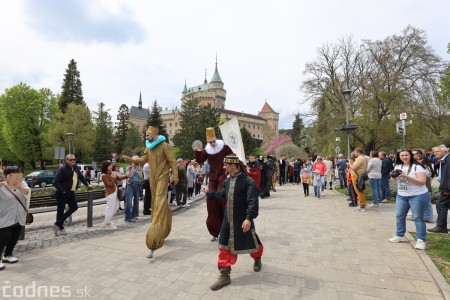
<point x="314" y="249"/>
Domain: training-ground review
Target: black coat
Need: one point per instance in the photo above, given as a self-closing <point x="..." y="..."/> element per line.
<point x="242" y="204"/>
<point x="64" y="177"/>
<point x="444" y="185"/>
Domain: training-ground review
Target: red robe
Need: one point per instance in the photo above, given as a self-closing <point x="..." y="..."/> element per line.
<point x="217" y="176"/>
<point x="254" y="171"/>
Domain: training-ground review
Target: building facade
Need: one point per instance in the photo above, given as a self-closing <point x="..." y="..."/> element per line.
<point x="212" y="93"/>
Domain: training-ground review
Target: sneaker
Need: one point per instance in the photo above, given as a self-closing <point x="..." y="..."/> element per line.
<point x="62" y="232"/>
<point x="55" y="229"/>
<point x="385" y="201"/>
<point x="110" y="227"/>
<point x="120" y="208"/>
<point x="2" y="266"/>
<point x="130" y="220"/>
<point x="420" y="244"/>
<point x="214" y="239"/>
<point x="186" y="205"/>
<point x="438" y="230"/>
<point x="362" y="209"/>
<point x="409" y="218"/>
<point x="9" y="259"/>
<point x="398" y="239"/>
<point x="373" y="205"/>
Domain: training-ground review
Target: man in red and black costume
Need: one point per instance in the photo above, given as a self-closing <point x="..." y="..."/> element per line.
<point x="237" y="235"/>
<point x="254" y="170"/>
<point x="215" y="151"/>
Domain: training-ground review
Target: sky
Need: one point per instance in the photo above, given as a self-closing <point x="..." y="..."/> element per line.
<point x="124" y="47"/>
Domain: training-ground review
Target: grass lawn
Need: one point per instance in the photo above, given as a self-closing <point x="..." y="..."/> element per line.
<point x="438" y="249"/>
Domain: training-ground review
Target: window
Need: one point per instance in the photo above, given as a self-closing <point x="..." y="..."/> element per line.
<point x="253" y="135"/>
<point x="253" y="126"/>
<point x="170" y="124"/>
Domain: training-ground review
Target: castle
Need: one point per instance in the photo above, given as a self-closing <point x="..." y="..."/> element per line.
<point x="214" y="94"/>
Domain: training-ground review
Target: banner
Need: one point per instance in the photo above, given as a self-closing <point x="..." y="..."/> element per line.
<point x="231" y="134"/>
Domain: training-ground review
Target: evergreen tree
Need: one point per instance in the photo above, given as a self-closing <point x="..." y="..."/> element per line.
<point x="155" y="120"/>
<point x="248" y="141"/>
<point x="133" y="140"/>
<point x="194" y="121"/>
<point x="297" y="131"/>
<point x="121" y="128"/>
<point x="71" y="87"/>
<point x="103" y="134"/>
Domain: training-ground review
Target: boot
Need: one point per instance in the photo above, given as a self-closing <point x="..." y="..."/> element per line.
<point x="257" y="266"/>
<point x="224" y="279"/>
<point x="331" y="187"/>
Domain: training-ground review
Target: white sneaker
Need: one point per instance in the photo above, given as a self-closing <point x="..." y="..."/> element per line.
<point x="110" y="227"/>
<point x="2" y="266"/>
<point x="62" y="232"/>
<point x="362" y="209"/>
<point x="373" y="205"/>
<point x="9" y="259"/>
<point x="398" y="239"/>
<point x="420" y="244"/>
<point x="55" y="229"/>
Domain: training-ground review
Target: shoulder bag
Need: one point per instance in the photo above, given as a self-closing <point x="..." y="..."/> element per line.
<point x="30" y="217"/>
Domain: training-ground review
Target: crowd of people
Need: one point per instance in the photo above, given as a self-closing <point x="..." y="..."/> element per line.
<point x="233" y="190"/>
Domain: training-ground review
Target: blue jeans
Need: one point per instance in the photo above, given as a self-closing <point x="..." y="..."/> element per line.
<point x="317" y="191"/>
<point x="342" y="178"/>
<point x="428" y="213"/>
<point x="132" y="200"/>
<point x="322" y="180"/>
<point x="417" y="204"/>
<point x="375" y="185"/>
<point x="385" y="187"/>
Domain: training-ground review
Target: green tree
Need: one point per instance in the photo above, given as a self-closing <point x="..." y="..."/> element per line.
<point x="76" y="120"/>
<point x="248" y="141"/>
<point x="133" y="141"/>
<point x="194" y="120"/>
<point x="388" y="77"/>
<point x="155" y="120"/>
<point x="103" y="134"/>
<point x="297" y="133"/>
<point x="26" y="115"/>
<point x="121" y="128"/>
<point x="71" y="87"/>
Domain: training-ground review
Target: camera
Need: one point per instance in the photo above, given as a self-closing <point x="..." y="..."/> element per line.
<point x="395" y="173"/>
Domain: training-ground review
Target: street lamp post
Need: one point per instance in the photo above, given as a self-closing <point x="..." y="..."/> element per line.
<point x="70" y="136"/>
<point x="348" y="127"/>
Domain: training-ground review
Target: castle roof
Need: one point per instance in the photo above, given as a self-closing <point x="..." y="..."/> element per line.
<point x="216" y="76"/>
<point x="237" y="113"/>
<point x="139" y="112"/>
<point x="199" y="88"/>
<point x="267" y="109"/>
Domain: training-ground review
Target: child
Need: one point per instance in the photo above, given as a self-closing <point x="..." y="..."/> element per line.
<point x="305" y="179"/>
<point x="198" y="183"/>
<point x="351" y="194"/>
<point x="317" y="183"/>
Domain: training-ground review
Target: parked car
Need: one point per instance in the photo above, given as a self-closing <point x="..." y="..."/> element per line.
<point x="41" y="178"/>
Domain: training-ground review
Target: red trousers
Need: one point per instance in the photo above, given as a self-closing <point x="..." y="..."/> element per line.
<point x="227" y="259"/>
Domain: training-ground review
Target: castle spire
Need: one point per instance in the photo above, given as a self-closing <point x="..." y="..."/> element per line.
<point x="216" y="76"/>
<point x="206" y="81"/>
<point x="140" y="100"/>
<point x="185" y="87"/>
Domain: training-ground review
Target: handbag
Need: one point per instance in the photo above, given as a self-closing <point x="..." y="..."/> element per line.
<point x="30" y="217"/>
<point x="365" y="177"/>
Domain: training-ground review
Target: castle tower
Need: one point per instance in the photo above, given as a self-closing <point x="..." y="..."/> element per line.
<point x="216" y="86"/>
<point x="271" y="117"/>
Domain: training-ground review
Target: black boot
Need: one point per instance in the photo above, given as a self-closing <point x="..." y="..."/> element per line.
<point x="224" y="279"/>
<point x="257" y="266"/>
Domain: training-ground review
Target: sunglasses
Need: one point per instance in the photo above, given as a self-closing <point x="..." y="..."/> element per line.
<point x="211" y="142"/>
<point x="71" y="159"/>
<point x="11" y="168"/>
